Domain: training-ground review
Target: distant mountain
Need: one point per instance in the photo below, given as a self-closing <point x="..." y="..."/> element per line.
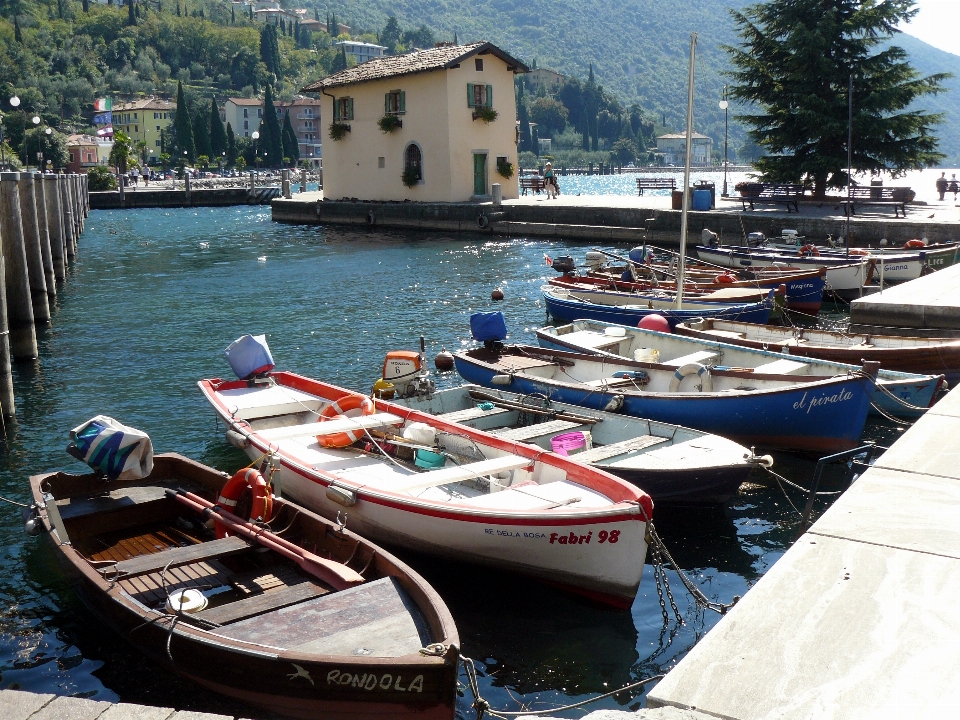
<point x="638" y="48"/>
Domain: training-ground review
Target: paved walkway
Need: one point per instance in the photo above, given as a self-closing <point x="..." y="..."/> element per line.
<point x="19" y="705"/>
<point x="859" y="618"/>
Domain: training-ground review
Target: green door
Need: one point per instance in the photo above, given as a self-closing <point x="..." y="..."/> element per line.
<point x="479" y="174"/>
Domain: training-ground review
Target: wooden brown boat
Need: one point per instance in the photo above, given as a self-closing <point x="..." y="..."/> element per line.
<point x="928" y="356"/>
<point x="304" y="618"/>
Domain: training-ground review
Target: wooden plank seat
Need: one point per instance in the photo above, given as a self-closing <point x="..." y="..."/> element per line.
<point x="604" y="452"/>
<point x="330" y="427"/>
<point x="262" y="603"/>
<point x="529" y="432"/>
<point x="468" y="414"/>
<point x="772" y="194"/>
<point x="177" y="556"/>
<point x="875" y="195"/>
<point x="781" y="367"/>
<point x="533" y="183"/>
<point x="655" y="183"/>
<point x="701" y="356"/>
<point x="115" y="499"/>
<point x="459" y="473"/>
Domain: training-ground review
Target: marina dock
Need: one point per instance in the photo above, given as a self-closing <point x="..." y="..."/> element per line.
<point x="20" y="705"/>
<point x="618" y="218"/>
<point x="926" y="307"/>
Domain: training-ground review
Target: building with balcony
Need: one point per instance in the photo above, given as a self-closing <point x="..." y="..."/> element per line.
<point x="674" y="149"/>
<point x="440" y="145"/>
<point x="243" y="114"/>
<point x="547" y="79"/>
<point x="361" y="51"/>
<point x="83" y="153"/>
<point x="145" y="121"/>
<point x="305" y="119"/>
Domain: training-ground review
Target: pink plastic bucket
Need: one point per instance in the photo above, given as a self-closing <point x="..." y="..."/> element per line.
<point x="568" y="443"/>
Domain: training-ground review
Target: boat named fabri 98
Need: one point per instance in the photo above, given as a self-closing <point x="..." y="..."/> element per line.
<point x="430" y="484"/>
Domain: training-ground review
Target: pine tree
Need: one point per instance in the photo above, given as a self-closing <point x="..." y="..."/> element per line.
<point x="218" y="135"/>
<point x="794" y="66"/>
<point x="201" y="132"/>
<point x="131" y="17"/>
<point x="183" y="127"/>
<point x="291" y="145"/>
<point x="231" y="147"/>
<point x="271" y="138"/>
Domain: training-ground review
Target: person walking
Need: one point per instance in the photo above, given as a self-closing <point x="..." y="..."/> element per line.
<point x="549" y="181"/>
<point x="954" y="187"/>
<point x="942" y="184"/>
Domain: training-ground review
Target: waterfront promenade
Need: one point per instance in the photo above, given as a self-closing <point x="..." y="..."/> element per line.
<point x="626" y="218"/>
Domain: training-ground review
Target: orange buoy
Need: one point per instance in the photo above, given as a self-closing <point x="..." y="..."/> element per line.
<point x="497" y="294"/>
<point x="913" y="244"/>
<point x="654" y="322"/>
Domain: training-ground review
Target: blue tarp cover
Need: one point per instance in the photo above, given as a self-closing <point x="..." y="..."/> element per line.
<point x="488" y="326"/>
<point x="249" y="356"/>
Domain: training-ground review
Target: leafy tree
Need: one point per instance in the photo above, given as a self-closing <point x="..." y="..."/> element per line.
<point x="526" y="139"/>
<point x="203" y="161"/>
<point x="122" y="152"/>
<point x="623" y="151"/>
<point x="182" y="127"/>
<point x="793" y="67"/>
<point x="100" y="178"/>
<point x="291" y="145"/>
<point x="549" y="114"/>
<point x="201" y="131"/>
<point x="218" y="134"/>
<point x="422" y="37"/>
<point x="231" y="147"/>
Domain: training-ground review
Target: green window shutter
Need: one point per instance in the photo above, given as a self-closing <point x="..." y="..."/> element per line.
<point x="336" y="111"/>
<point x="470" y="102"/>
<point x="403" y="101"/>
<point x="349" y="108"/>
<point x="489" y="95"/>
<point x="386" y="103"/>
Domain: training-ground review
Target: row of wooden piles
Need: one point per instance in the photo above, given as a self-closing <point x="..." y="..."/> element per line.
<point x="41" y="218"/>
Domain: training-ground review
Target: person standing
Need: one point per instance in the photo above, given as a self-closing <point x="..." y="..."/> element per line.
<point x="942" y="184"/>
<point x="549" y="181"/>
<point x="954" y="187"/>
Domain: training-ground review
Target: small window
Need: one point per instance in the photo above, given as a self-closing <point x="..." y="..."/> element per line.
<point x="479" y="95"/>
<point x="158" y="128"/>
<point x="479" y="63"/>
<point x="245" y="112"/>
<point x="136" y="128"/>
<point x="413" y="159"/>
<point x="157" y="142"/>
<point x="343" y="109"/>
<point x="259" y="112"/>
<point x="381" y="162"/>
<point x="134" y="116"/>
<point x="395" y="102"/>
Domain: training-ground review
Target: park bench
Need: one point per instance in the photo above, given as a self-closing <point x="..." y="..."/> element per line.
<point x="655" y="183"/>
<point x="898" y="197"/>
<point x="772" y="194"/>
<point x="531" y="182"/>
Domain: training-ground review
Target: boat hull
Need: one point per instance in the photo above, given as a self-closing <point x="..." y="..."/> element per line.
<point x="797" y="417"/>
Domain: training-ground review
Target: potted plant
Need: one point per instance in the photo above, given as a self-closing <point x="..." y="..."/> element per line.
<point x="505" y="168"/>
<point x="487" y="114"/>
<point x="411" y="177"/>
<point x="338" y="130"/>
<point x="388" y="123"/>
<point x="748" y="189"/>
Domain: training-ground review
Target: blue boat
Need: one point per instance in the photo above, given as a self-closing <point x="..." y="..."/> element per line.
<point x="821" y="415"/>
<point x="564" y="307"/>
<point x="897" y="393"/>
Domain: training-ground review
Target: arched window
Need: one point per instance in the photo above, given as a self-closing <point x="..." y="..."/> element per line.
<point x="413" y="160"/>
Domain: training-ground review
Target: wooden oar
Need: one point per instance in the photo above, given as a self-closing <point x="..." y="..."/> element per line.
<point x="511" y="405"/>
<point x="335" y="574"/>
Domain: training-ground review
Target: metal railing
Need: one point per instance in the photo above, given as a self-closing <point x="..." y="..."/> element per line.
<point x="870" y="450"/>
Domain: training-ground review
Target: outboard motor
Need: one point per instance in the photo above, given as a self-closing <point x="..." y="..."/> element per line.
<point x="563" y="264"/>
<point x="709" y="237"/>
<point x="115" y="450"/>
<point x="756" y="239"/>
<point x="595" y="260"/>
<point x="490" y="328"/>
<point x="250" y="357"/>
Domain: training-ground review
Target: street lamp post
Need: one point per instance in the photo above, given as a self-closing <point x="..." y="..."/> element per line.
<point x="47" y="132"/>
<point x="36" y="123"/>
<point x="724" y="105"/>
<point x="256" y="150"/>
<point x="223" y="159"/>
<point x="15" y="103"/>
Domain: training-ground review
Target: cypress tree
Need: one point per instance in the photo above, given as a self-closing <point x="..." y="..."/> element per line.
<point x="131" y="17"/>
<point x="183" y="127"/>
<point x="291" y="145"/>
<point x="86" y="6"/>
<point x="201" y="133"/>
<point x="250" y="12"/>
<point x="17" y="35"/>
<point x="339" y="62"/>
<point x="794" y="66"/>
<point x="218" y="135"/>
<point x="231" y="147"/>
<point x="233" y="17"/>
<point x="178" y="8"/>
<point x="270" y="48"/>
<point x="333" y="27"/>
<point x="271" y="137"/>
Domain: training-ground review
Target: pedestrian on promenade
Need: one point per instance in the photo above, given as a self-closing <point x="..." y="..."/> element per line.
<point x="942" y="184"/>
<point x="549" y="181"/>
<point x="954" y="187"/>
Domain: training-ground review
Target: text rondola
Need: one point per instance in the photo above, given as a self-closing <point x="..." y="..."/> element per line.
<point x="372" y="681"/>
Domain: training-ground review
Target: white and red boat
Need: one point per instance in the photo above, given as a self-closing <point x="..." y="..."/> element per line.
<point x="489" y="500"/>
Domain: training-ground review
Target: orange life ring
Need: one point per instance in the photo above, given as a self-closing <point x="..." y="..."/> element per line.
<point x="339" y="409"/>
<point x="858" y="251"/>
<point x="725" y="278"/>
<point x="912" y="244"/>
<point x="262" y="507"/>
<point x="809" y="250"/>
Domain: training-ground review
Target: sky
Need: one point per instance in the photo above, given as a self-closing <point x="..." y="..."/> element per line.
<point x="937" y="24"/>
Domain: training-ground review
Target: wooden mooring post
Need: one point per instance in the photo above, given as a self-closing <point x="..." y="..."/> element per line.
<point x="51" y="196"/>
<point x="50" y="280"/>
<point x="20" y="322"/>
<point x="32" y="247"/>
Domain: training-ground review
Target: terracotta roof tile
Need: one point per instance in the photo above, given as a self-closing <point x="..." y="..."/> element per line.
<point x="437" y="58"/>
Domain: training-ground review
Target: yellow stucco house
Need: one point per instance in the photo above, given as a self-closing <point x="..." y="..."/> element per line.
<point x="442" y="143"/>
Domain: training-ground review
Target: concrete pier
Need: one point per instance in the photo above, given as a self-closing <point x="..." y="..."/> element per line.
<point x="19" y="705"/>
<point x="197" y="197"/>
<point x="32" y="247"/>
<point x="858" y="619"/>
<point x="20" y="322"/>
<point x="928" y="306"/>
<point x="50" y="280"/>
<point x="51" y="196"/>
<point x="66" y="207"/>
<point x="615" y="218"/>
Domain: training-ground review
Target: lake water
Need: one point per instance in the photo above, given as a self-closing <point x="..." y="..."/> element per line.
<point x="145" y="313"/>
